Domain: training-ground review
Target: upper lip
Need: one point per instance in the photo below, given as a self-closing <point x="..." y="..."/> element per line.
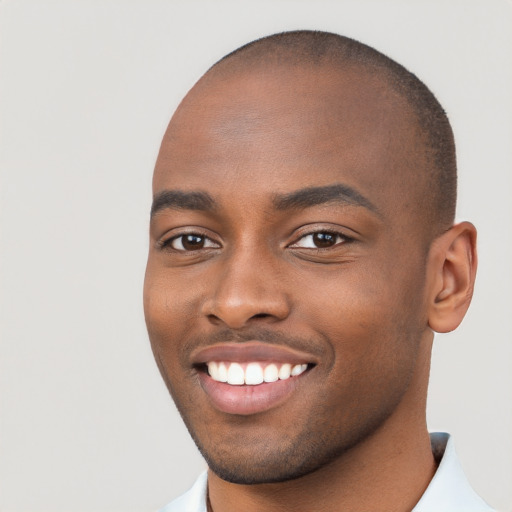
<point x="250" y="351"/>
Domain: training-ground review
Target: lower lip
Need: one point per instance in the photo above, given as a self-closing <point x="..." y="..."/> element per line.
<point x="245" y="400"/>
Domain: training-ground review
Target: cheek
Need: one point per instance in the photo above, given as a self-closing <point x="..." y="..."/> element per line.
<point x="168" y="318"/>
<point x="166" y="309"/>
<point x="372" y="319"/>
<point x="374" y="357"/>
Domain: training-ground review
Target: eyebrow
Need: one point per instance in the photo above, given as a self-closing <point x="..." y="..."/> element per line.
<point x="181" y="200"/>
<point x="303" y="198"/>
<point x="314" y="196"/>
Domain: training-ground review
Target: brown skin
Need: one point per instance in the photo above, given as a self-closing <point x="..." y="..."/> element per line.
<point x="353" y="435"/>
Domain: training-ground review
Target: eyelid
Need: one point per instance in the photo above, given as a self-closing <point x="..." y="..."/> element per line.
<point x="165" y="242"/>
<point x="310" y="231"/>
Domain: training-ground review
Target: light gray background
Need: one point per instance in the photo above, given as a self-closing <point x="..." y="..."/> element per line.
<point x="86" y="91"/>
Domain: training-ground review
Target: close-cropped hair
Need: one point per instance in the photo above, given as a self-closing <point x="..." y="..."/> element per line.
<point x="315" y="48"/>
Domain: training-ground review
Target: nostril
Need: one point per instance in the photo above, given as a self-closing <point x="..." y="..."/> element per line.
<point x="214" y="319"/>
<point x="236" y="313"/>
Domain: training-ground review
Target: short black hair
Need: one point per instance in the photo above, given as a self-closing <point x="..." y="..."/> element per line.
<point x="315" y="47"/>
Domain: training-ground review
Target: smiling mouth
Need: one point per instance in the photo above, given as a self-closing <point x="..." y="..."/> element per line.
<point x="250" y="377"/>
<point x="253" y="373"/>
<point x="252" y="387"/>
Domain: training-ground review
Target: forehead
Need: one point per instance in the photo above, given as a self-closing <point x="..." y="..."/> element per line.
<point x="274" y="129"/>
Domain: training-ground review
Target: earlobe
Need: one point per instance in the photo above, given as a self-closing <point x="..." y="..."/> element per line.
<point x="452" y="266"/>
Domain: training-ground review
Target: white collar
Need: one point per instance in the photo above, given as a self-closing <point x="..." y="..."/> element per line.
<point x="449" y="490"/>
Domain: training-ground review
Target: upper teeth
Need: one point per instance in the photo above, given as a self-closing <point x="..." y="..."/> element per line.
<point x="252" y="373"/>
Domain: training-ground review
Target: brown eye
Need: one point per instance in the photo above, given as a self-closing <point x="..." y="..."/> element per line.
<point x="191" y="242"/>
<point x="320" y="240"/>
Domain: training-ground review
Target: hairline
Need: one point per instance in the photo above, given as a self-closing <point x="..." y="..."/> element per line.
<point x="427" y="112"/>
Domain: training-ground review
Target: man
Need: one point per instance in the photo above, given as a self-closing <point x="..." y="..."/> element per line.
<point x="302" y="254"/>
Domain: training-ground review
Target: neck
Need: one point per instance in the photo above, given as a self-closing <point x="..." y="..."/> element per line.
<point x="389" y="471"/>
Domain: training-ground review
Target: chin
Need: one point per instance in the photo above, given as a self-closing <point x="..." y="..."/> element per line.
<point x="256" y="462"/>
<point x="243" y="474"/>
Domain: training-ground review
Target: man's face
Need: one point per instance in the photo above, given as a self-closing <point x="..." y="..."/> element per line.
<point x="285" y="235"/>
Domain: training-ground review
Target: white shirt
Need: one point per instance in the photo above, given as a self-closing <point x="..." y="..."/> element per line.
<point x="448" y="491"/>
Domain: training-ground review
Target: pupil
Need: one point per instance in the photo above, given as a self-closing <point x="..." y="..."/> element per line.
<point x="324" y="239"/>
<point x="192" y="242"/>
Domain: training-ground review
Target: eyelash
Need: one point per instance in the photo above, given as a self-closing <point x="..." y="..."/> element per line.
<point x="168" y="244"/>
<point x="344" y="239"/>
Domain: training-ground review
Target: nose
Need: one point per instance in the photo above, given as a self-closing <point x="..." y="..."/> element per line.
<point x="247" y="288"/>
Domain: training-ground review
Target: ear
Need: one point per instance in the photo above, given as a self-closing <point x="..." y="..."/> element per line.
<point x="452" y="267"/>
